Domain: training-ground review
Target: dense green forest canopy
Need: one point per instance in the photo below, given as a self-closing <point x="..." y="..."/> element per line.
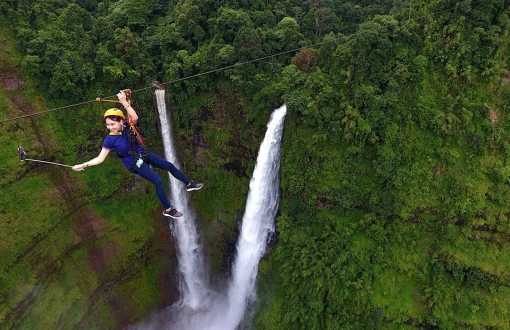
<point x="395" y="179"/>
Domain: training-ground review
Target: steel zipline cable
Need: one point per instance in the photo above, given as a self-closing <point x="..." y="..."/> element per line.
<point x="172" y="81"/>
<point x="404" y="22"/>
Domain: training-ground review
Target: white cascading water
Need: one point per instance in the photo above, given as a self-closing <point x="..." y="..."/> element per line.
<point x="227" y="310"/>
<point x="190" y="257"/>
<point x="258" y="222"/>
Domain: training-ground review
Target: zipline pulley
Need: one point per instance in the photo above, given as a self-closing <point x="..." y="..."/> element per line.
<point x="126" y="91"/>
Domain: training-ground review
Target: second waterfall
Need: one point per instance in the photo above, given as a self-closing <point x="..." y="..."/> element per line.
<point x="228" y="308"/>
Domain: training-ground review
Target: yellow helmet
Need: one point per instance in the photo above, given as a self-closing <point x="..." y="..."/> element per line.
<point x="114" y="112"/>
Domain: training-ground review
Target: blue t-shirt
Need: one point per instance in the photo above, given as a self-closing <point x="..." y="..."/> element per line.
<point x="120" y="142"/>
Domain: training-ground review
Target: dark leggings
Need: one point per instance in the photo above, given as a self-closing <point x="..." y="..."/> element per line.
<point x="146" y="172"/>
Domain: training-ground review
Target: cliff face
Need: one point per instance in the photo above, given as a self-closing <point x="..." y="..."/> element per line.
<point x="70" y="260"/>
<point x="91" y="249"/>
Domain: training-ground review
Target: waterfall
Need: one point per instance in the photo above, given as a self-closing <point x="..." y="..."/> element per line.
<point x="189" y="251"/>
<point x="226" y="310"/>
<point x="258" y="221"/>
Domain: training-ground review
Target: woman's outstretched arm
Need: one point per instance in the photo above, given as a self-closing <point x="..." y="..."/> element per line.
<point x="93" y="162"/>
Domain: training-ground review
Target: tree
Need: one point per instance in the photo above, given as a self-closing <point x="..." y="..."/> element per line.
<point x="130" y="57"/>
<point x="305" y="59"/>
<point x="188" y="19"/>
<point x="288" y="33"/>
<point x="247" y="44"/>
<point x="320" y="21"/>
<point x="61" y="50"/>
<point x="229" y="22"/>
<point x="132" y="13"/>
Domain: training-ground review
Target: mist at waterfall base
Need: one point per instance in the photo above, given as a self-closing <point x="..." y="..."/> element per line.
<point x="200" y="306"/>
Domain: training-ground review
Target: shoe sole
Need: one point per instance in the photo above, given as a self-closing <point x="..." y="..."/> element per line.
<point x="172" y="216"/>
<point x="191" y="189"/>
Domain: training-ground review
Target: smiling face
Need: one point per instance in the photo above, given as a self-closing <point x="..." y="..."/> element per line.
<point x="113" y="125"/>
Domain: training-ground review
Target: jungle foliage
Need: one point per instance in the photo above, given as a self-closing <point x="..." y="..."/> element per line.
<point x="395" y="180"/>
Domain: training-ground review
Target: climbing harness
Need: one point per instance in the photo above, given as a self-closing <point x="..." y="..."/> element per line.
<point x="134" y="137"/>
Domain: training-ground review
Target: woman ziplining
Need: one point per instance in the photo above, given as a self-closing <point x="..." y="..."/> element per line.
<point x="125" y="139"/>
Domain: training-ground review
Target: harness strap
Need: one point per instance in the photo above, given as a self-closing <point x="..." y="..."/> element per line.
<point x="134" y="132"/>
<point x="135" y="139"/>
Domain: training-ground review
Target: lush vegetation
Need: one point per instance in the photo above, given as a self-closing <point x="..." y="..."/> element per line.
<point x="395" y="177"/>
